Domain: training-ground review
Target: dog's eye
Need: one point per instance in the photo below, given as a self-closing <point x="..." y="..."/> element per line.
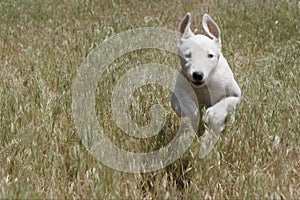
<point x="188" y="55"/>
<point x="210" y="55"/>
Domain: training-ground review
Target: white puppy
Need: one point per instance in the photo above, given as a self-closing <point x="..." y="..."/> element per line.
<point x="203" y="65"/>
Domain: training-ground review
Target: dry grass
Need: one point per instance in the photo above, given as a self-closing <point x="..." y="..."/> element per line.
<point x="43" y="44"/>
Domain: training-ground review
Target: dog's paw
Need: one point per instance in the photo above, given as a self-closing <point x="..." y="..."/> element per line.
<point x="230" y="117"/>
<point x="215" y="118"/>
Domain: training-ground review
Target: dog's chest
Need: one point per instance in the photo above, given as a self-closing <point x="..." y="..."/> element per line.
<point x="208" y="96"/>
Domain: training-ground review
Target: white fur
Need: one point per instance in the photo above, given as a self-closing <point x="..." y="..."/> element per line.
<point x="204" y="66"/>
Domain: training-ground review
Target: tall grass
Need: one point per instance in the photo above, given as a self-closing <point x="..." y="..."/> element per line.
<point x="43" y="44"/>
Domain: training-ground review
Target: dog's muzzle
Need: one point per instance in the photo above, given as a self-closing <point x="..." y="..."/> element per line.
<point x="197" y="83"/>
<point x="197" y="79"/>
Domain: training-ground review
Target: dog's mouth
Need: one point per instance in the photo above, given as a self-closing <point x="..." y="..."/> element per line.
<point x="197" y="83"/>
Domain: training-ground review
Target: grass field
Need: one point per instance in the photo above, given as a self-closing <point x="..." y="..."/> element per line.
<point x="44" y="43"/>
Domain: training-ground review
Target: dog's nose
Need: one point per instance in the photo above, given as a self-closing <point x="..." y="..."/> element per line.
<point x="198" y="76"/>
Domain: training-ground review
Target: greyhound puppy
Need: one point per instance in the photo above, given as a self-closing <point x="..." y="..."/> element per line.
<point x="210" y="77"/>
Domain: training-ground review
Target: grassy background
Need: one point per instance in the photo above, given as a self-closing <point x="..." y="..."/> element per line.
<point x="42" y="45"/>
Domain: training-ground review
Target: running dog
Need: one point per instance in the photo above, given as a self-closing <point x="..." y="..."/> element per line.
<point x="211" y="79"/>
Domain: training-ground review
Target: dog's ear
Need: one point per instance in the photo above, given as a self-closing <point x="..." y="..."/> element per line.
<point x="211" y="29"/>
<point x="185" y="27"/>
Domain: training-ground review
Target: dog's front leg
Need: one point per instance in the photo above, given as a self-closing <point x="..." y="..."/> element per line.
<point x="215" y="116"/>
<point x="183" y="104"/>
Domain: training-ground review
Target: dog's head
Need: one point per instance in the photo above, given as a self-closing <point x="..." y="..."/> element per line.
<point x="199" y="54"/>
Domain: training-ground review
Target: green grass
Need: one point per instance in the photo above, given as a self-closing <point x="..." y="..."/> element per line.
<point x="44" y="43"/>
